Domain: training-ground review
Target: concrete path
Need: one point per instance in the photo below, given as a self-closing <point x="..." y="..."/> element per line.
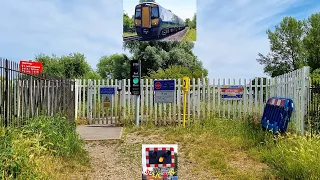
<point x="99" y="132"/>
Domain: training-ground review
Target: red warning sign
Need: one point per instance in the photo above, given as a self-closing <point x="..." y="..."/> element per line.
<point x="30" y="67"/>
<point x="158" y="85"/>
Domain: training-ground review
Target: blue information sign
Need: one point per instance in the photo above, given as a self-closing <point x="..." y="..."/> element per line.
<point x="164" y="85"/>
<point x="107" y="90"/>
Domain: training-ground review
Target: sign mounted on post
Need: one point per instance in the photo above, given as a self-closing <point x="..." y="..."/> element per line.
<point x="164" y="91"/>
<point x="231" y="92"/>
<point x="107" y="95"/>
<point x="30" y="67"/>
<point x="107" y="90"/>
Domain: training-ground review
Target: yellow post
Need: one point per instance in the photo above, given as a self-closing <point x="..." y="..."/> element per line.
<point x="185" y="88"/>
<point x="184" y="108"/>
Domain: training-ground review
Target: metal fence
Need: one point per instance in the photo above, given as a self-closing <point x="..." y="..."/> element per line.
<point x="24" y="96"/>
<point x="204" y="100"/>
<point x="314" y="107"/>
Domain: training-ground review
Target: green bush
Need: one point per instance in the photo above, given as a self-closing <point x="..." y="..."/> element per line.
<point x="60" y="135"/>
<point x="27" y="152"/>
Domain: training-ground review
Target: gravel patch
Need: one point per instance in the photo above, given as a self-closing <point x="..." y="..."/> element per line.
<point x="116" y="159"/>
<point x="107" y="163"/>
<point x="177" y="36"/>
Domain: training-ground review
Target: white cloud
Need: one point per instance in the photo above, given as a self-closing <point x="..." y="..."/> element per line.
<point x="45" y="27"/>
<point x="228" y="43"/>
<point x="230" y="33"/>
<point x="182" y="8"/>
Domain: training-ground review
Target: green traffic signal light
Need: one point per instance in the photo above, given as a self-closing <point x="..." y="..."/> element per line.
<point x="135" y="80"/>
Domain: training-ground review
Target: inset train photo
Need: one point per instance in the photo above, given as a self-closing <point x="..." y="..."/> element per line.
<point x="159" y="20"/>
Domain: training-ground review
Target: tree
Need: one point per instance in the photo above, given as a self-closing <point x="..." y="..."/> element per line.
<point x="128" y="23"/>
<point x="312" y="41"/>
<point x="92" y="75"/>
<point x="287" y="50"/>
<point x="72" y="66"/>
<point x="315" y="75"/>
<point x="177" y="72"/>
<point x="51" y="65"/>
<point x="162" y="54"/>
<point x="118" y="65"/>
<point x="188" y="22"/>
<point x="194" y="21"/>
<point x="75" y="65"/>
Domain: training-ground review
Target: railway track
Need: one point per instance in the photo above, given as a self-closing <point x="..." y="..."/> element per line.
<point x="137" y="38"/>
<point x="131" y="38"/>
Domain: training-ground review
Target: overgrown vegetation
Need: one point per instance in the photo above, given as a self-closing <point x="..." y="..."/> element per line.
<point x="293" y="156"/>
<point x="191" y="35"/>
<point x="231" y="149"/>
<point x="46" y="148"/>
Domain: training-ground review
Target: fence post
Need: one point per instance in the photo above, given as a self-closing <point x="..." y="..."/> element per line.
<point x="304" y="98"/>
<point x="6" y="97"/>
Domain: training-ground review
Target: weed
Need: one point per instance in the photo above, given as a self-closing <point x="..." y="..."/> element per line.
<point x="294" y="156"/>
<point x="39" y="148"/>
<point x="191" y="35"/>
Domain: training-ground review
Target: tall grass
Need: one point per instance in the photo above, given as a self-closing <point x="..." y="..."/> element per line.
<point x="191" y="35"/>
<point x="294" y="156"/>
<point x="213" y="143"/>
<point x="39" y="149"/>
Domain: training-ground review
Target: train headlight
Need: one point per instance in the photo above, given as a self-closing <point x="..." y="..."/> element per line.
<point x="138" y="22"/>
<point x="155" y="22"/>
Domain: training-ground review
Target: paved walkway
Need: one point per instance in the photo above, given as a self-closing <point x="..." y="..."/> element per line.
<point x="99" y="132"/>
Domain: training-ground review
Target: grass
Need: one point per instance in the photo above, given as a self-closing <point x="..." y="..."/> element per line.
<point x="46" y="148"/>
<point x="191" y="35"/>
<point x="231" y="149"/>
<point x="293" y="156"/>
<point x="125" y="34"/>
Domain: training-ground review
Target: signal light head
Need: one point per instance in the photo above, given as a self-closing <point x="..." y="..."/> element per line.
<point x="167" y="154"/>
<point x="154" y="154"/>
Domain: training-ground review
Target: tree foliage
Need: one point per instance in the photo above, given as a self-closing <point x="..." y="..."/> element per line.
<point x="163" y="54"/>
<point x="128" y="23"/>
<point x="178" y="72"/>
<point x="294" y="43"/>
<point x="315" y="75"/>
<point x="192" y="23"/>
<point x="312" y="41"/>
<point x="72" y="66"/>
<point x="117" y="65"/>
<point x="287" y="53"/>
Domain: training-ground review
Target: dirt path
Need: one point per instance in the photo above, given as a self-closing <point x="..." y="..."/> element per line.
<point x="121" y="159"/>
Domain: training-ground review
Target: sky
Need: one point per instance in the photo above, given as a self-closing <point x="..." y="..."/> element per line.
<point x="182" y="8"/>
<point x="230" y="34"/>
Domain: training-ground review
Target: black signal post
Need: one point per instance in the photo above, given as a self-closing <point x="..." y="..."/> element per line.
<point x="135" y="77"/>
<point x="135" y="89"/>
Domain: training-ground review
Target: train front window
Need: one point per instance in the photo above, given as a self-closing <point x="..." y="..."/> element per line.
<point x="154" y="12"/>
<point x="138" y="13"/>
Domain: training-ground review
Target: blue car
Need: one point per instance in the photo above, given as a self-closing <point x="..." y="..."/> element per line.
<point x="154" y="21"/>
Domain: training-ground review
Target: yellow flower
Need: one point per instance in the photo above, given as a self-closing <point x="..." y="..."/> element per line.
<point x="171" y="172"/>
<point x="156" y="175"/>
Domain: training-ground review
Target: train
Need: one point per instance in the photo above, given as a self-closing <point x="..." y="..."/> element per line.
<point x="154" y="21"/>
